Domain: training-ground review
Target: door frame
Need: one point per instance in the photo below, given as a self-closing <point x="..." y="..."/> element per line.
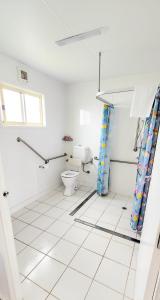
<point x="7" y="248"/>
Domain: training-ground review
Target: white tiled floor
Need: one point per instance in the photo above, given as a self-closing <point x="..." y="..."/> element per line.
<point x="65" y="260"/>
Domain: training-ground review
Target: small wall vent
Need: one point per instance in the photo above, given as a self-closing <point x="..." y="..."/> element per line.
<point x="22" y="74"/>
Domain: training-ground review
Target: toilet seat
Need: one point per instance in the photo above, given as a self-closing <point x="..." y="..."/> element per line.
<point x="69" y="174"/>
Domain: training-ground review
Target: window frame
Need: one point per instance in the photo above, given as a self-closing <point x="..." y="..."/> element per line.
<point x="22" y="93"/>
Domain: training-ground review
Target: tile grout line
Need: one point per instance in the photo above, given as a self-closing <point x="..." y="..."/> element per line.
<point x="83" y="203"/>
<point x="61" y="238"/>
<point x="41" y="214"/>
<point x="68" y="265"/>
<point x="43" y="230"/>
<point x="29" y="245"/>
<point x="128" y="273"/>
<point x="97" y="268"/>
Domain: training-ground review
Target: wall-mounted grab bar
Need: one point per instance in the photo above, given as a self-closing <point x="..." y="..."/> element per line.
<point x="120" y="161"/>
<point x="83" y="166"/>
<point x="46" y="160"/>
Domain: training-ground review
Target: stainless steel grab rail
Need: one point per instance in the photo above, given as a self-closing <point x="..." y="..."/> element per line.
<point x="120" y="161"/>
<point x="46" y="160"/>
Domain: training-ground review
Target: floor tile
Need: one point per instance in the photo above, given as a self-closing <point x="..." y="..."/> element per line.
<point x="19" y="246"/>
<point x="29" y="216"/>
<point x="20" y="212"/>
<point x="93" y="213"/>
<point x="60" y="188"/>
<point x="115" y="275"/>
<point x="124" y="223"/>
<point x="72" y="286"/>
<point x="32" y="291"/>
<point x="86" y="262"/>
<point x="42" y="208"/>
<point x="28" y="234"/>
<point x="130" y="284"/>
<point x="114" y="211"/>
<point x="102" y="233"/>
<point x="18" y="226"/>
<point x="52" y="201"/>
<point x="134" y="258"/>
<point x="58" y="228"/>
<point x="51" y="298"/>
<point x="110" y="218"/>
<point x="98" y="291"/>
<point x="67" y="218"/>
<point x="124" y="231"/>
<point x="121" y="197"/>
<point x="45" y="242"/>
<point x="123" y="241"/>
<point x="32" y="205"/>
<point x="28" y="259"/>
<point x="43" y="222"/>
<point x="76" y="235"/>
<point x="138" y="236"/>
<point x="47" y="273"/>
<point x="106" y="225"/>
<point x="66" y="205"/>
<point x="88" y="219"/>
<point x="85" y="188"/>
<point x="63" y="251"/>
<point x="21" y="277"/>
<point x="85" y="227"/>
<point x="55" y="212"/>
<point x="119" y="252"/>
<point x="96" y="243"/>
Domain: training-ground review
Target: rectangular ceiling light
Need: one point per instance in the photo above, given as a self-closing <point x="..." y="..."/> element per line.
<point x="80" y="36"/>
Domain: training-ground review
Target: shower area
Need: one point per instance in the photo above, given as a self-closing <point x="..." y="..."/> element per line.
<point x="122" y="163"/>
<point x="110" y="211"/>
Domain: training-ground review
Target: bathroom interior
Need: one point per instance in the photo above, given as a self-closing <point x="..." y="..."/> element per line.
<point x="73" y="140"/>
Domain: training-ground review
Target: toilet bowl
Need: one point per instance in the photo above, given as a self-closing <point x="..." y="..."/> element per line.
<point x="69" y="179"/>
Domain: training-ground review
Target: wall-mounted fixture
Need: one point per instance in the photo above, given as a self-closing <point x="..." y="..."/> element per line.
<point x="82" y="156"/>
<point x="84" y="164"/>
<point x="67" y="138"/>
<point x="82" y="36"/>
<point x="22" y="74"/>
<point x="46" y="160"/>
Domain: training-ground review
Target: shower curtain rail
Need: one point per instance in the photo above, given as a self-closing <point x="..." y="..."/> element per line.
<point x="46" y="160"/>
<point x="119" y="161"/>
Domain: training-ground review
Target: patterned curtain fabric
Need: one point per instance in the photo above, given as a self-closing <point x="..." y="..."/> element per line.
<point x="104" y="161"/>
<point x="145" y="164"/>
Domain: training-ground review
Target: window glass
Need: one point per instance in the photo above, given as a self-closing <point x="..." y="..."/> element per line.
<point x="12" y="102"/>
<point x="33" y="109"/>
<point x="19" y="107"/>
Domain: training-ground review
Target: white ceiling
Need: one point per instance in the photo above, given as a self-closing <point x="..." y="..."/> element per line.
<point x="29" y="28"/>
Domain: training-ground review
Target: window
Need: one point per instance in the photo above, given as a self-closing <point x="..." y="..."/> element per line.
<point x="21" y="107"/>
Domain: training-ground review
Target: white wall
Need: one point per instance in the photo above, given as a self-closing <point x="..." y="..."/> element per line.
<point x="82" y="96"/>
<point x="24" y="179"/>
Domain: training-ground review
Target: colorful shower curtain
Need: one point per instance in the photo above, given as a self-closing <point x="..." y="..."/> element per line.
<point x="145" y="164"/>
<point x="104" y="161"/>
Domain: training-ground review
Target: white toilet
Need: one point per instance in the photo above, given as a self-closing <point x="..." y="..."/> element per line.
<point x="81" y="155"/>
<point x="69" y="179"/>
